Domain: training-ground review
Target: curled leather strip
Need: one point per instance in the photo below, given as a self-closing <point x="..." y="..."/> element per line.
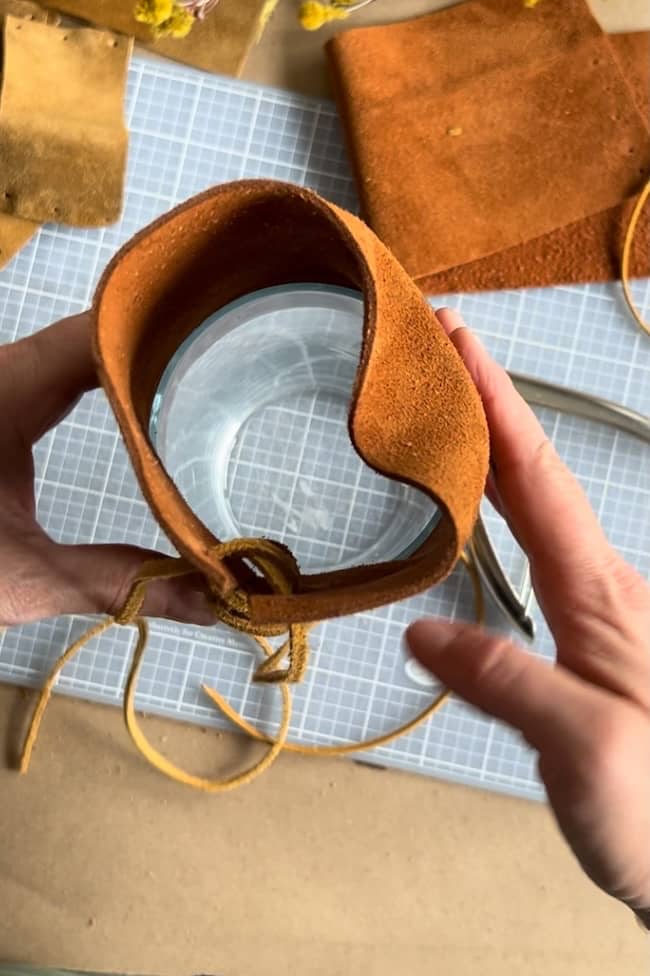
<point x="130" y="615"/>
<point x="415" y="414"/>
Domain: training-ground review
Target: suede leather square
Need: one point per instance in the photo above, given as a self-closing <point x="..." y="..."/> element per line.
<point x="16" y="231"/>
<point x="587" y="250"/>
<point x="484" y="126"/>
<point x="62" y="135"/>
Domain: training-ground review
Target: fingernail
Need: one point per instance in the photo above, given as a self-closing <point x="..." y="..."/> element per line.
<point x="427" y="639"/>
<point x="450" y="319"/>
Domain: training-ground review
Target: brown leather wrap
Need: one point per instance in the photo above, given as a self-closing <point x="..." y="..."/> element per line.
<point x="415" y="414"/>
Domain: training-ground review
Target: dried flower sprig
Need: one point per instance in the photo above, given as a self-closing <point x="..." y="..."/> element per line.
<point x="313" y="14"/>
<point x="172" y="18"/>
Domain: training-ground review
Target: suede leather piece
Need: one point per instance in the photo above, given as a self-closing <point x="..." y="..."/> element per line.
<point x="62" y="136"/>
<point x="588" y="250"/>
<point x="15" y="232"/>
<point x="441" y="200"/>
<point x="219" y="44"/>
<point x="27" y="10"/>
<point x="415" y="413"/>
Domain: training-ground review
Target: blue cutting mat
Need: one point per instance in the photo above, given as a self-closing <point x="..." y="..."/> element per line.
<point x="189" y="131"/>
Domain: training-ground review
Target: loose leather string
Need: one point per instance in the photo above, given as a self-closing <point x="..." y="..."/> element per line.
<point x="46" y="690"/>
<point x="279" y="568"/>
<point x="625" y="262"/>
<point x="164" y="765"/>
<point x="380" y="740"/>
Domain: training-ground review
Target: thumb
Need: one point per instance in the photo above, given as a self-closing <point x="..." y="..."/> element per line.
<point x="99" y="578"/>
<point x="548" y="705"/>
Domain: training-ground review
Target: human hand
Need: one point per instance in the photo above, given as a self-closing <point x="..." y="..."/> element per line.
<point x="589" y="716"/>
<point x="43" y="376"/>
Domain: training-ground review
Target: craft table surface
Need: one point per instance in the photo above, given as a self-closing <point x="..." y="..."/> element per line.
<point x="325" y="867"/>
<point x="301" y="66"/>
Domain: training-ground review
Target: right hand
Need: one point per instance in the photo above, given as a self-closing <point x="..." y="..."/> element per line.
<point x="589" y="716"/>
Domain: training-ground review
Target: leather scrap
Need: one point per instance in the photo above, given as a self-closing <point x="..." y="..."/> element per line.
<point x="29" y="11"/>
<point x="588" y="250"/>
<point x="15" y="232"/>
<point x="62" y="135"/>
<point x="220" y="43"/>
<point x="452" y="168"/>
<point x="415" y="414"/>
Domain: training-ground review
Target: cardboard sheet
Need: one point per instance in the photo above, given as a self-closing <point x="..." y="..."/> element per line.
<point x="325" y="867"/>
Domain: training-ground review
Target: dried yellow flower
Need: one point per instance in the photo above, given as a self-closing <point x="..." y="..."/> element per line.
<point x="530" y="3"/>
<point x="179" y="24"/>
<point x="314" y="14"/>
<point x="167" y="18"/>
<point x="153" y="12"/>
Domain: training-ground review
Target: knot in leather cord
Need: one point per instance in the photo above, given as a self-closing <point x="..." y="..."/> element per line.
<point x="279" y="568"/>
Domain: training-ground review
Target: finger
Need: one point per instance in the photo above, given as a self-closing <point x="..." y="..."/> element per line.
<point x="97" y="579"/>
<point x="492" y="493"/>
<point x="549" y="706"/>
<point x="544" y="504"/>
<point x="46" y="374"/>
<point x="592" y="745"/>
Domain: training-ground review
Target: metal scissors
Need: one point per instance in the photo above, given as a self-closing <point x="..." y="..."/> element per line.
<point x="515" y="605"/>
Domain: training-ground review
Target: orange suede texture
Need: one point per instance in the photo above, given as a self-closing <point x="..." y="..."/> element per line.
<point x="496" y="145"/>
<point x="415" y="414"/>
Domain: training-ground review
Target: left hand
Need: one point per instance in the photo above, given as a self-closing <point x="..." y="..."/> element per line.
<point x="43" y="377"/>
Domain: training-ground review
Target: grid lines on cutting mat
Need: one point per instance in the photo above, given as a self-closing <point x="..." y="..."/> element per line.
<point x="189" y="131"/>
